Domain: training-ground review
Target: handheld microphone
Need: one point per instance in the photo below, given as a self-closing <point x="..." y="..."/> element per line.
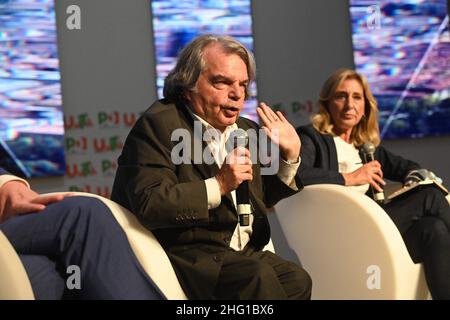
<point x="239" y="138"/>
<point x="368" y="150"/>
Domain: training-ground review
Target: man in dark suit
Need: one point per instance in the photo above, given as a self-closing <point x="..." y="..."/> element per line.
<point x="51" y="233"/>
<point x="190" y="205"/>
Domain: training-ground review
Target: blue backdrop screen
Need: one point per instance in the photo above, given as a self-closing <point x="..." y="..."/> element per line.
<point x="403" y="48"/>
<point x="31" y="118"/>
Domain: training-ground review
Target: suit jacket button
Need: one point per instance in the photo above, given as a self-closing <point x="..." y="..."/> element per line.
<point x="216" y="258"/>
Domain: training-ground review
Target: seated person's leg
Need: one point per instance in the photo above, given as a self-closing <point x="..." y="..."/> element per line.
<point x="428" y="241"/>
<point x="261" y="275"/>
<point x="82" y="231"/>
<point x="46" y="281"/>
<point x="435" y="204"/>
<point x="426" y="201"/>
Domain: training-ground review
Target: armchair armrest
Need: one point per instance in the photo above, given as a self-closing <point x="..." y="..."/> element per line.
<point x="14" y="283"/>
<point x="146" y="247"/>
<point x="344" y="240"/>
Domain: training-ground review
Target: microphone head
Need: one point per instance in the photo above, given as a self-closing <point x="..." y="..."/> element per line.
<point x="237" y="138"/>
<point x="368" y="148"/>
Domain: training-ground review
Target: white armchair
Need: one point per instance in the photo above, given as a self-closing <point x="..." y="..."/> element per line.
<point x="349" y="245"/>
<point x="14" y="283"/>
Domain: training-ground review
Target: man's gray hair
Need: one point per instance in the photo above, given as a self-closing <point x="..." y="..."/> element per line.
<point x="191" y="63"/>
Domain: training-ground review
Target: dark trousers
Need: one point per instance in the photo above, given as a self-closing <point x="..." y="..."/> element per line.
<point x="423" y="218"/>
<point x="261" y="275"/>
<point x="81" y="232"/>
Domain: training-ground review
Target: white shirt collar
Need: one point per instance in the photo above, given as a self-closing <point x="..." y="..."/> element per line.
<point x="225" y="134"/>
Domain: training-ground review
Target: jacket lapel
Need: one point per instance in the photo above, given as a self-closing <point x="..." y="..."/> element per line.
<point x="197" y="145"/>
<point x="333" y="160"/>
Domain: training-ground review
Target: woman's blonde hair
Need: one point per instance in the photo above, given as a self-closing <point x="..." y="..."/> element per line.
<point x="367" y="128"/>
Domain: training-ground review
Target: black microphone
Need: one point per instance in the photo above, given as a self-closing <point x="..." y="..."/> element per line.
<point x="239" y="138"/>
<point x="368" y="150"/>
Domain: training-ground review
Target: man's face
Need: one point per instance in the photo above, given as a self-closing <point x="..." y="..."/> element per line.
<point x="220" y="91"/>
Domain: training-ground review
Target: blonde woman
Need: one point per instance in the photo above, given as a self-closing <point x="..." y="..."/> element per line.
<point x="347" y="119"/>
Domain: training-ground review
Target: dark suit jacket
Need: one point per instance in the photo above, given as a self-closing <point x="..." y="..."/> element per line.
<point x="2" y="171"/>
<point x="320" y="165"/>
<point x="171" y="200"/>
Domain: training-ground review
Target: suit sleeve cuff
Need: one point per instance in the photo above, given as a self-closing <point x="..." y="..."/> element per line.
<point x="213" y="193"/>
<point x="287" y="172"/>
<point x="7" y="177"/>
